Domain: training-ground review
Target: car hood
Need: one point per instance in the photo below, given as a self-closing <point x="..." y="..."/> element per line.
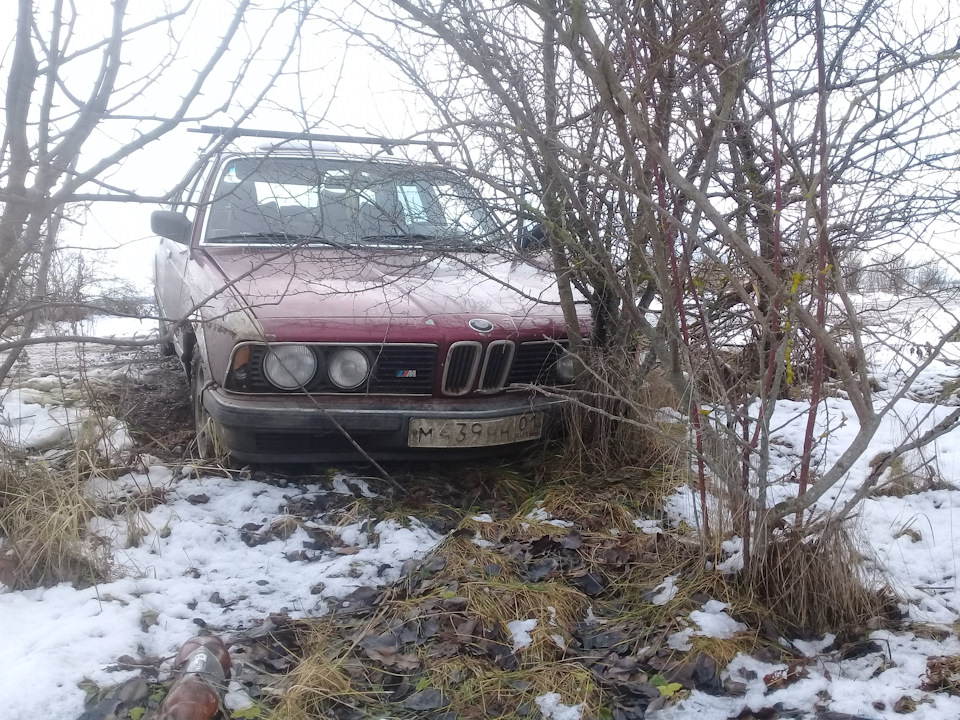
<point x="345" y="284"/>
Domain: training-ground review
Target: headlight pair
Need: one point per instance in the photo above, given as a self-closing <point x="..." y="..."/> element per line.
<point x="292" y="366"/>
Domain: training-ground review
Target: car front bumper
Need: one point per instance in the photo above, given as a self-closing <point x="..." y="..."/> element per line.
<point x="304" y="429"/>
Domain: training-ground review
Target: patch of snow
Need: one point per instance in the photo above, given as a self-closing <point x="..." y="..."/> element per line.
<point x="681" y="640"/>
<point x="30" y="421"/>
<point x="30" y="425"/>
<point x="733" y="550"/>
<point x="714" y="622"/>
<point x="190" y="563"/>
<point x="553" y="615"/>
<point x="345" y="484"/>
<point x="538" y="514"/>
<point x="648" y="527"/>
<point x="485" y="518"/>
<point x="665" y="591"/>
<point x="552" y="707"/>
<point x="236" y="698"/>
<point x="520" y="630"/>
<point x="812" y="648"/>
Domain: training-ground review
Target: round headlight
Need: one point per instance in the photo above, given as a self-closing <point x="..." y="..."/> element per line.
<point x="348" y="368"/>
<point x="566" y="367"/>
<point x="289" y="367"/>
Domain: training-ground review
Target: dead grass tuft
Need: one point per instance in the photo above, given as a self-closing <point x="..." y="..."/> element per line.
<point x="943" y="674"/>
<point x="909" y="475"/>
<point x="600" y="508"/>
<point x="723" y="650"/>
<point x="614" y="426"/>
<point x="811" y="579"/>
<point x="555" y="606"/>
<point x="323" y="676"/>
<point x="466" y="559"/>
<point x="43" y="520"/>
<point x="479" y="691"/>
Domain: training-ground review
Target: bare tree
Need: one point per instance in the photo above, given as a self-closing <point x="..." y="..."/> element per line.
<point x="703" y="168"/>
<point x="73" y="81"/>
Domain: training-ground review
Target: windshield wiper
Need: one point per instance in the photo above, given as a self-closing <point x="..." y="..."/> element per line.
<point x="272" y="237"/>
<point x="399" y="236"/>
<point x="436" y="242"/>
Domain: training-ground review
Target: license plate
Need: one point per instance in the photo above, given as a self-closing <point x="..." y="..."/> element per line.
<point x="440" y="432"/>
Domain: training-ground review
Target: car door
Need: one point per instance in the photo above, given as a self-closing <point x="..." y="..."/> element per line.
<point x="170" y="262"/>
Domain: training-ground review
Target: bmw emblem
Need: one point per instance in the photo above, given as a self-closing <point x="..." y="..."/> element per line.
<point x="481" y="325"/>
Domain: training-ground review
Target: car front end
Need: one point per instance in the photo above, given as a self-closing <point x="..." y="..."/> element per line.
<point x="342" y="309"/>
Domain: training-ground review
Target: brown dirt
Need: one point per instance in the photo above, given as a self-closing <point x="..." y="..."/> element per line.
<point x="156" y="406"/>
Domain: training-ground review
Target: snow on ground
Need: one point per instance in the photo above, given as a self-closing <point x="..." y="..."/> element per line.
<point x="190" y="566"/>
<point x="191" y="563"/>
<point x="44" y="406"/>
<point x="913" y="538"/>
<point x="552" y="707"/>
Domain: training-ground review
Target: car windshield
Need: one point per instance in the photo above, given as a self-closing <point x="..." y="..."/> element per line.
<point x="331" y="201"/>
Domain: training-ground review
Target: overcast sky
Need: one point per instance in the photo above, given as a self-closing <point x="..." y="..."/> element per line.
<point x="329" y="82"/>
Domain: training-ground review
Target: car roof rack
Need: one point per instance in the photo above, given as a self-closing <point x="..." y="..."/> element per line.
<point x="386" y="143"/>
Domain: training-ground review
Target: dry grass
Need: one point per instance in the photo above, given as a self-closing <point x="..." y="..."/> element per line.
<point x="812" y="580"/>
<point x="466" y="559"/>
<point x="321" y="678"/>
<point x="911" y="474"/>
<point x="943" y="674"/>
<point x="604" y="507"/>
<point x="613" y="426"/>
<point x="470" y="598"/>
<point x="43" y="520"/>
<point x="479" y="691"/>
<point x="555" y="606"/>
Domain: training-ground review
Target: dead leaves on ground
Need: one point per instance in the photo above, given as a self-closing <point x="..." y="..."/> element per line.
<point x="441" y="633"/>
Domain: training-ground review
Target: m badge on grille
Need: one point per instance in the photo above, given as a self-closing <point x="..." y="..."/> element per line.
<point x="406" y="373"/>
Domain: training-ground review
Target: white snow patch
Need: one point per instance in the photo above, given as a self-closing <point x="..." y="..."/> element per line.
<point x="733" y="550"/>
<point x="812" y="648"/>
<point x="714" y="622"/>
<point x="521" y="629"/>
<point x="54" y="638"/>
<point x="681" y="640"/>
<point x="552" y="707"/>
<point x="538" y="514"/>
<point x="344" y="484"/>
<point x="591" y="620"/>
<point x="236" y="697"/>
<point x="647" y="526"/>
<point x="665" y="591"/>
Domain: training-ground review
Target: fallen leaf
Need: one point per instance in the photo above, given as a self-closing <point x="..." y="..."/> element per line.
<point x="430" y="699"/>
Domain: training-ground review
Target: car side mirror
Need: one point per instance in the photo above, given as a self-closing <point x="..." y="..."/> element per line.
<point x="171" y="225"/>
<point x="533" y="240"/>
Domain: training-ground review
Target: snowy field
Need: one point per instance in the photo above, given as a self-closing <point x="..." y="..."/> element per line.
<point x="188" y="564"/>
<point x="179" y="566"/>
<point x="913" y="539"/>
